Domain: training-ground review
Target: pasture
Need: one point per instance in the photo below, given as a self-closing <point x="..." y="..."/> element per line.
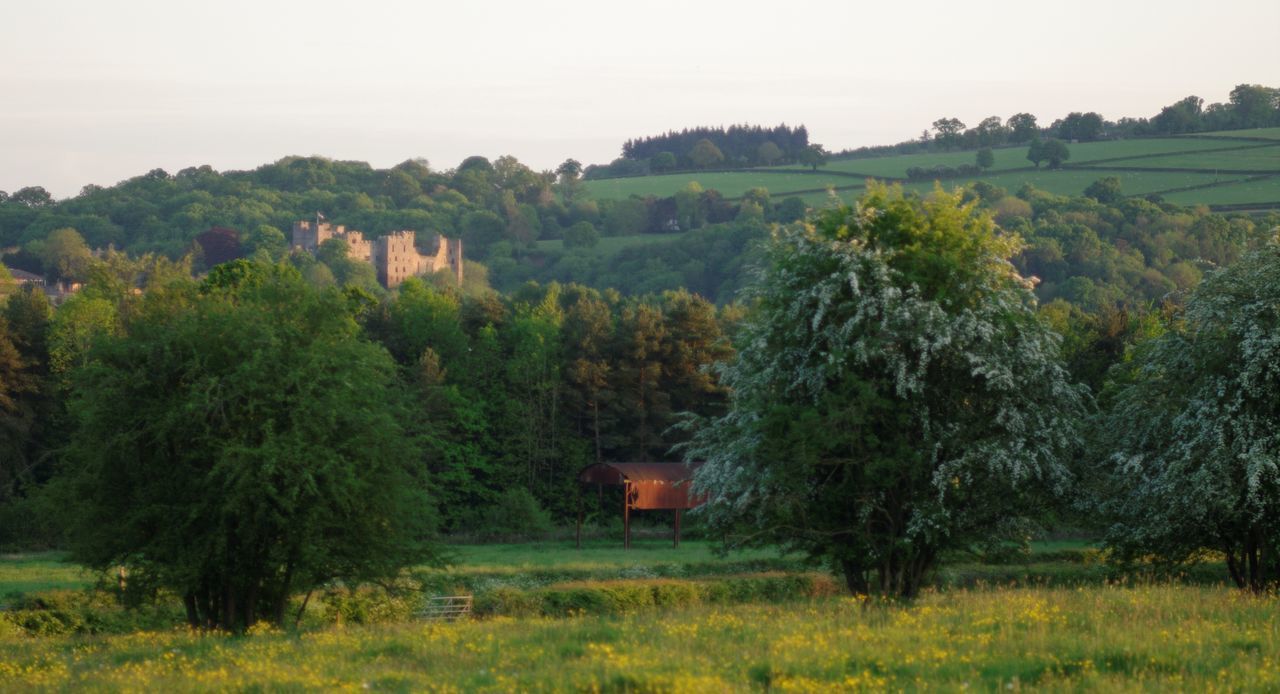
<point x="1264" y="158"/>
<point x="1182" y="162"/>
<point x="731" y="184"/>
<point x="1260" y="191"/>
<point x="1263" y="133"/>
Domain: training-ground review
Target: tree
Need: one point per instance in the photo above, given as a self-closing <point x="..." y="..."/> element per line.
<point x="570" y="170"/>
<point x="949" y="130"/>
<point x="813" y="156"/>
<point x="1105" y="190"/>
<point x="32" y="196"/>
<point x="1080" y="126"/>
<point x="65" y="255"/>
<point x="768" y="153"/>
<point x="990" y="132"/>
<point x="705" y="154"/>
<point x="401" y="187"/>
<point x="662" y="161"/>
<point x="18" y="383"/>
<point x="267" y="240"/>
<point x="1022" y="127"/>
<point x="1055" y="151"/>
<point x="8" y="285"/>
<point x="1035" y="153"/>
<point x="1252" y="106"/>
<point x="1182" y="117"/>
<point x="1196" y="465"/>
<point x="985" y="158"/>
<point x="581" y="235"/>
<point x="895" y="395"/>
<point x="240" y="443"/>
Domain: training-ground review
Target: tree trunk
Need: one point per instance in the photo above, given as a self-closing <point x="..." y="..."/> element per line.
<point x="189" y="602"/>
<point x="1233" y="566"/>
<point x="855" y="577"/>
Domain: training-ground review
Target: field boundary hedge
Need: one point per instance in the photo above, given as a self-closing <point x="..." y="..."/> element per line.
<point x="1214" y="184"/>
<point x="1237" y="148"/>
<point x="1139" y="169"/>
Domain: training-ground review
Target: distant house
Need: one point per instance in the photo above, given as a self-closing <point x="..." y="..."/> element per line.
<point x="24" y="277"/>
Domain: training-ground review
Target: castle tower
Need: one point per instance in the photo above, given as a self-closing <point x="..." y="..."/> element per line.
<point x="395" y="257"/>
<point x="455" y="257"/>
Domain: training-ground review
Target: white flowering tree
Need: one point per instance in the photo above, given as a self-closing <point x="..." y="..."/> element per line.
<point x="895" y="395"/>
<point x="1192" y="431"/>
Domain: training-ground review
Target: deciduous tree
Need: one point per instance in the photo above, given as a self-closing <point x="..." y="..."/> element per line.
<point x="894" y="397"/>
<point x="239" y="443"/>
<point x="1196" y="464"/>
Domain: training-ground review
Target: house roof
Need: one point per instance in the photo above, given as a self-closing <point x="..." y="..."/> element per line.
<point x="617" y="473"/>
<point x="24" y="276"/>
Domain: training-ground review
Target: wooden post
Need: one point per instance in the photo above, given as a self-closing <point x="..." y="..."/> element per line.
<point x="677" y="543"/>
<point x="626" y="516"/>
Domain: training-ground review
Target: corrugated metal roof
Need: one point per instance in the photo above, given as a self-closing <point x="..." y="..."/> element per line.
<point x="615" y="473"/>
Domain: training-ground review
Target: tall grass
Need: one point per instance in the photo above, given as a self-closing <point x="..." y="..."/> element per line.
<point x="1097" y="638"/>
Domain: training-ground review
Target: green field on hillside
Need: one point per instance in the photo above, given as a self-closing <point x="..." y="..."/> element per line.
<point x="1162" y="153"/>
<point x="1085" y="152"/>
<point x="1016" y="157"/>
<point x="1071" y="182"/>
<point x="1265" y="190"/>
<point x="1074" y="181"/>
<point x="1265" y="158"/>
<point x="1267" y="133"/>
<point x="731" y="184"/>
<point x="896" y="166"/>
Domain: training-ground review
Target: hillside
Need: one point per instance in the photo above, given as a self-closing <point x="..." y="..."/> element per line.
<point x="1237" y="169"/>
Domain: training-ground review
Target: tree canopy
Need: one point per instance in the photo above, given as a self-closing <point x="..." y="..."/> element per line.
<point x="238" y="442"/>
<point x="1197" y="464"/>
<point x="894" y="395"/>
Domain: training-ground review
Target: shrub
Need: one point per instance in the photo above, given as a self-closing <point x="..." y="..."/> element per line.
<point x="515" y="515"/>
<point x="369" y="605"/>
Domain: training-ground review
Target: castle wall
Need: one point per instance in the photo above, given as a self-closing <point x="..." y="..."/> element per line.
<point x="395" y="257"/>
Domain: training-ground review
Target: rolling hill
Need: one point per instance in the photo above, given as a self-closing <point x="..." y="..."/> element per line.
<point x="1237" y="169"/>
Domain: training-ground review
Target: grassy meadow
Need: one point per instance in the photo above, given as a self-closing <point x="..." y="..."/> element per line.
<point x="1263" y="133"/>
<point x="1099" y="638"/>
<point x="1162" y="157"/>
<point x="550" y="617"/>
<point x="1264" y="190"/>
<point x="1265" y="158"/>
<point x="732" y="184"/>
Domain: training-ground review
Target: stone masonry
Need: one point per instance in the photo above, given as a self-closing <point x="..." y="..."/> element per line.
<point x="395" y="256"/>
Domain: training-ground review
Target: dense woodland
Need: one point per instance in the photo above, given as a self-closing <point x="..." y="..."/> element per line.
<point x="734" y="147"/>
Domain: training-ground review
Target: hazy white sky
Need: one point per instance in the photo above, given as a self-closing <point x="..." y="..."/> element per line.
<point x="94" y="91"/>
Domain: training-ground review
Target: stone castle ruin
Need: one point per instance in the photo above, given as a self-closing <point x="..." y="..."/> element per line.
<point x="395" y="257"/>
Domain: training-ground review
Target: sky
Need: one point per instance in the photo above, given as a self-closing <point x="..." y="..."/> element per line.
<point x="95" y="92"/>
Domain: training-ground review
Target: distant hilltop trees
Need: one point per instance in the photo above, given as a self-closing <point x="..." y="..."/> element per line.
<point x="737" y="146"/>
<point x="1248" y="106"/>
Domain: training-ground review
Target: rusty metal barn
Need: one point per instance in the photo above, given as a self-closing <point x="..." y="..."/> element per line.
<point x="647" y="487"/>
